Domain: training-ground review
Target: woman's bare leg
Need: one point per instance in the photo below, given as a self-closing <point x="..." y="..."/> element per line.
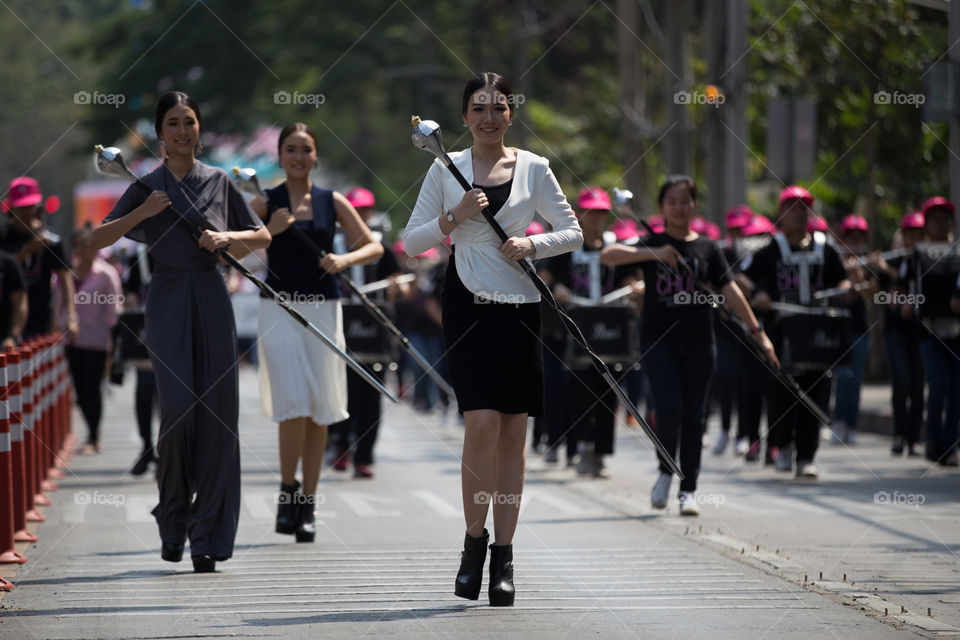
<point x="478" y="466"/>
<point x="511" y="466"/>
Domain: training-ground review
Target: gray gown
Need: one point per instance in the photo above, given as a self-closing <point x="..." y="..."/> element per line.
<point x="191" y="336"/>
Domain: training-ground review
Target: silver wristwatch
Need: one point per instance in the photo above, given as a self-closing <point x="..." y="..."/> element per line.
<point x="450" y="217"/>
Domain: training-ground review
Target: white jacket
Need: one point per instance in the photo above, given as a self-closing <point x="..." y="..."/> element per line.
<point x="480" y="265"/>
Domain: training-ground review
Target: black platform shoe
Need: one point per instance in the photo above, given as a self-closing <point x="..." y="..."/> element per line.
<point x="501" y="576"/>
<point x="472" y="557"/>
<point x="171" y="552"/>
<point x="143" y="462"/>
<point x="204" y="564"/>
<point x="307" y="517"/>
<point x="287" y="508"/>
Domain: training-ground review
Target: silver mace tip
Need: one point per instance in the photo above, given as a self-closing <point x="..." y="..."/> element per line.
<point x="426" y="136"/>
<point x="110" y="160"/>
<point x="244" y="174"/>
<point x="622" y="199"/>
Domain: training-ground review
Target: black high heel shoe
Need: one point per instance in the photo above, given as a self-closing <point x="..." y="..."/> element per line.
<point x="501" y="576"/>
<point x="472" y="558"/>
<point x="306" y="518"/>
<point x="288" y="507"/>
<point x="143" y="462"/>
<point x="171" y="552"/>
<point x="204" y="564"/>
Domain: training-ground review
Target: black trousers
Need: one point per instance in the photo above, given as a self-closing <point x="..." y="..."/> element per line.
<point x="144" y="397"/>
<point x="363" y="404"/>
<point x="680" y="375"/>
<point x="87" y="370"/>
<point x="789" y="421"/>
<point x="592" y="410"/>
<point x="754" y="381"/>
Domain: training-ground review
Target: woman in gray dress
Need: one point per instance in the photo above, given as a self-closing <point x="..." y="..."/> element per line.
<point x="190" y="332"/>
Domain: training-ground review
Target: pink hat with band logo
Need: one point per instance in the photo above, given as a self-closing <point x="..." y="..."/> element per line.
<point x="24" y="192"/>
<point x="738" y="217"/>
<point x="796" y="192"/>
<point x="912" y="220"/>
<point x="817" y="223"/>
<point x="360" y="197"/>
<point x="853" y="222"/>
<point x="937" y="202"/>
<point x="624" y="229"/>
<point x="593" y="198"/>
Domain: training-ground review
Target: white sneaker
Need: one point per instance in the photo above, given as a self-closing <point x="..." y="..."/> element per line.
<point x="688" y="504"/>
<point x="806" y="469"/>
<point x="743" y="446"/>
<point x="661" y="491"/>
<point x="704" y="440"/>
<point x="785" y="458"/>
<point x="721" y="443"/>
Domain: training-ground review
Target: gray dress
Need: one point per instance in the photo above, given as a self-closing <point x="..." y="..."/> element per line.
<point x="191" y="336"/>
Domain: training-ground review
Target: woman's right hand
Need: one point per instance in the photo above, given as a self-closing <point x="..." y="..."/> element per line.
<point x="280" y="221"/>
<point x="155" y="203"/>
<point x="472" y="203"/>
<point x="668" y="254"/>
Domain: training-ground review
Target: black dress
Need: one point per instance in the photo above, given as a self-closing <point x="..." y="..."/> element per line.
<point x="493" y="347"/>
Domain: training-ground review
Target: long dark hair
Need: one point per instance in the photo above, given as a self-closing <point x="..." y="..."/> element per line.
<point x="673" y="181"/>
<point x="295" y="127"/>
<point x="489" y="79"/>
<point x="171" y="99"/>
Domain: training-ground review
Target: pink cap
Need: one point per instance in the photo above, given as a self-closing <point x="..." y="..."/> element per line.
<point x="713" y="231"/>
<point x="534" y="228"/>
<point x="657" y="223"/>
<point x="817" y="223"/>
<point x="398" y="247"/>
<point x="759" y="224"/>
<point x="912" y="220"/>
<point x="935" y="201"/>
<point x="24" y="192"/>
<point x="624" y="229"/>
<point x="739" y="216"/>
<point x="360" y="197"/>
<point x="796" y="191"/>
<point x="593" y="198"/>
<point x="853" y="222"/>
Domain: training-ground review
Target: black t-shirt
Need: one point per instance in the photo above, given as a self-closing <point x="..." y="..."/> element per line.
<point x="673" y="309"/>
<point x="576" y="269"/>
<point x="938" y="281"/>
<point x="900" y="285"/>
<point x="382" y="269"/>
<point x="37" y="269"/>
<point x="11" y="281"/>
<point x="781" y="281"/>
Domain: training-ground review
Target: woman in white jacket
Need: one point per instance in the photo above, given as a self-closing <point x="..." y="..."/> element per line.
<point x="491" y="315"/>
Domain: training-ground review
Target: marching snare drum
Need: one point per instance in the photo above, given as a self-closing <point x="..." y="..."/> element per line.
<point x="610" y="331"/>
<point x="367" y="340"/>
<point x="814" y="341"/>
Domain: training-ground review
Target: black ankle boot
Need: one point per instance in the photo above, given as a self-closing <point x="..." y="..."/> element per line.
<point x="287" y="508"/>
<point x="143" y="462"/>
<point x="204" y="564"/>
<point x="307" y="517"/>
<point x="501" y="576"/>
<point x="171" y="552"/>
<point x="472" y="557"/>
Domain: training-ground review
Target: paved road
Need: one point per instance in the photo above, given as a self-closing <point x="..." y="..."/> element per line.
<point x="591" y="558"/>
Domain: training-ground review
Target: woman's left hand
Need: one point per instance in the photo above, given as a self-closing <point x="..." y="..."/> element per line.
<point x="213" y="240"/>
<point x="768" y="349"/>
<point x="334" y="263"/>
<point x="516" y="249"/>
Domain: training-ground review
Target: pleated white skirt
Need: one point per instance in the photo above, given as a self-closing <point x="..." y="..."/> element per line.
<point x="300" y="376"/>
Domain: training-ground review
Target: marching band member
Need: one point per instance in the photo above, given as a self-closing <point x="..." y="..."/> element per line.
<point x="678" y="335"/>
<point x="491" y="315"/>
<point x="191" y="333"/>
<point x="790" y="270"/>
<point x="303" y="383"/>
<point x="938" y="280"/>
